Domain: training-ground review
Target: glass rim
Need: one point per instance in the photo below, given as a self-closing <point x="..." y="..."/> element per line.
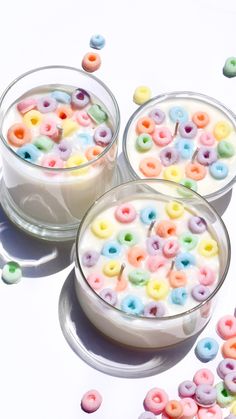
<point x="164" y="318"/>
<point x="64" y="169"/>
<point x="185" y="93"/>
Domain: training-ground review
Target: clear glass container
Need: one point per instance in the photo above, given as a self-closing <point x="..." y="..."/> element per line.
<point x="47" y="202"/>
<point x="212" y="189"/>
<point x="144" y="332"/>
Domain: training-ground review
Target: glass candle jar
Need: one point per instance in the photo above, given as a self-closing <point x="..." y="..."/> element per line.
<point x="185" y="137"/>
<point x="140" y="259"/>
<point x="49" y="202"/>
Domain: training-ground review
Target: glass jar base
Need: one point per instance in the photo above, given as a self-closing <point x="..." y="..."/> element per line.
<point x="46" y="232"/>
<point x="108" y="356"/>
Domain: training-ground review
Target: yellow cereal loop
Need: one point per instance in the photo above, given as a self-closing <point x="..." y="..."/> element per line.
<point x="208" y="248"/>
<point x="69" y="127"/>
<point x="157" y="289"/>
<point x="77" y="160"/>
<point x="221" y="130"/>
<point x="32" y="119"/>
<point x="102" y="228"/>
<point x="174" y="209"/>
<point x="233" y="408"/>
<point x="141" y="95"/>
<point x="112" y="268"/>
<point x="173" y="173"/>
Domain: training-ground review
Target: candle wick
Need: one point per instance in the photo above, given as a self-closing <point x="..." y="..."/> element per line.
<point x="195" y="154"/>
<point x="171" y="267"/>
<point x="60" y="132"/>
<point x="150" y="228"/>
<point x="176" y="129"/>
<point x="121" y="271"/>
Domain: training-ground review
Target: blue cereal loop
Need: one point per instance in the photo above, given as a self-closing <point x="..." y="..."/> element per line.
<point x="184" y="261"/>
<point x="61" y="97"/>
<point x="111" y="249"/>
<point x="29" y="152"/>
<point x="206" y="349"/>
<point x="97" y="41"/>
<point x="148" y="214"/>
<point x="184" y="147"/>
<point x="131" y="304"/>
<point x="219" y="170"/>
<point x="179" y="296"/>
<point x="178" y="114"/>
<point x="85" y="139"/>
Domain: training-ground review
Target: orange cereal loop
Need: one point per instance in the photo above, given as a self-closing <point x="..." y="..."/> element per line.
<point x="18" y="135"/>
<point x="145" y="125"/>
<point x="177" y="279"/>
<point x="229" y="348"/>
<point x="201" y="119"/>
<point x="150" y="167"/>
<point x="136" y="256"/>
<point x="173" y="409"/>
<point x="91" y="62"/>
<point x="64" y="112"/>
<point x="92" y="152"/>
<point x="166" y="228"/>
<point x="195" y="171"/>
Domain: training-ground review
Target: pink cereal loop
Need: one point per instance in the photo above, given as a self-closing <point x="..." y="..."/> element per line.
<point x="95" y="281"/>
<point x="206" y="138"/>
<point x="52" y="162"/>
<point x="226" y="327"/>
<point x="82" y="118"/>
<point x="213" y="412"/>
<point x="190" y="408"/>
<point x="155" y="262"/>
<point x="155" y="401"/>
<point x="49" y="128"/>
<point x="162" y="136"/>
<point x="125" y="213"/>
<point x="26" y="105"/>
<point x="91" y="401"/>
<point x="203" y="376"/>
<point x="171" y="248"/>
<point x="206" y="276"/>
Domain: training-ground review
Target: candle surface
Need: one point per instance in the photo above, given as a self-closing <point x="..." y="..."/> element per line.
<point x="150" y="257"/>
<point x="185" y="140"/>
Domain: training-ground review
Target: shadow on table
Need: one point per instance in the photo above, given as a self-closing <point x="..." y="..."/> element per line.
<point x="105" y="355"/>
<point x="37" y="257"/>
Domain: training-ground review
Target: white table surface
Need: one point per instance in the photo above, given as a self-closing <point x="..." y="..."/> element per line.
<point x="168" y="45"/>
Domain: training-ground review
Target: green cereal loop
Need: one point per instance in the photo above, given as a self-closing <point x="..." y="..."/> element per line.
<point x="188" y="241"/>
<point x="223" y="397"/>
<point x="190" y="184"/>
<point x="225" y="149"/>
<point x="128" y="238"/>
<point x="97" y="114"/>
<point x="144" y="142"/>
<point x="229" y="69"/>
<point x="139" y="277"/>
<point x="43" y="143"/>
<point x="11" y="272"/>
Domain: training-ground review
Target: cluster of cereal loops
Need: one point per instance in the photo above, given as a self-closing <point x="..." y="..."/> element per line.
<point x="207" y="154"/>
<point x="91" y="61"/>
<point x="60" y="130"/>
<point x="147" y="264"/>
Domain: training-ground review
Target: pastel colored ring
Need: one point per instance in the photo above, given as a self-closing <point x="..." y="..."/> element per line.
<point x="201" y="119"/>
<point x="125" y="213"/>
<point x="206" y="349"/>
<point x="141" y="95"/>
<point x="203" y="376"/>
<point x="11" y="273"/>
<point x="97" y="41"/>
<point x="26" y="105"/>
<point x="136" y="255"/>
<point x="91" y="401"/>
<point x="91" y="62"/>
<point x="145" y="125"/>
<point x="226" y="327"/>
<point x="156" y="400"/>
<point x="18" y="135"/>
<point x="150" y="167"/>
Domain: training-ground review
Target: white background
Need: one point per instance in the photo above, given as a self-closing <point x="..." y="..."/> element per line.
<point x="167" y="45"/>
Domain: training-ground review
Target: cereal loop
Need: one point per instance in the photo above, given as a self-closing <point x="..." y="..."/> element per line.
<point x="201" y="119"/>
<point x="195" y="171"/>
<point x="150" y="167"/>
<point x="145" y="125"/>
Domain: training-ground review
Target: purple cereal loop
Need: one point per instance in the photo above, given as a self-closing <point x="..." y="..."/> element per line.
<point x="200" y="292"/>
<point x="63" y="149"/>
<point x="102" y="135"/>
<point x="169" y="156"/>
<point x="109" y="295"/>
<point x="187" y="129"/>
<point x="46" y="104"/>
<point x="205" y="395"/>
<point x="90" y="258"/>
<point x="157" y="115"/>
<point x="206" y="156"/>
<point x="154" y="245"/>
<point x="154" y="309"/>
<point x="80" y="98"/>
<point x="230" y="382"/>
<point x="197" y="224"/>
<point x="187" y="389"/>
<point x="226" y="366"/>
